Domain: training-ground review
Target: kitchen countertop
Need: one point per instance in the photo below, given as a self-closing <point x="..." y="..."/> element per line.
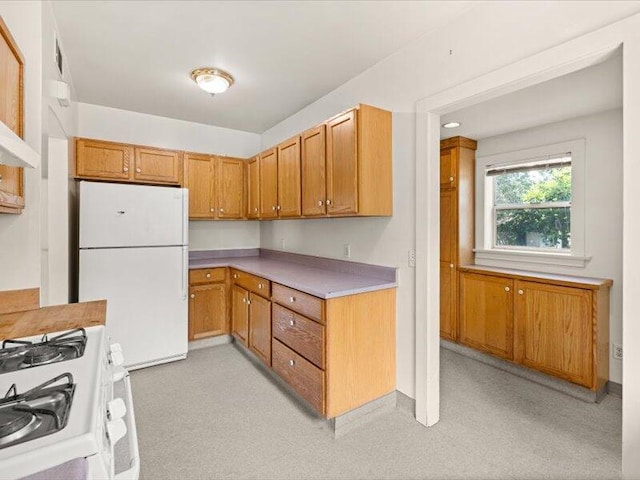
<point x="319" y="282"/>
<point x="52" y="319"/>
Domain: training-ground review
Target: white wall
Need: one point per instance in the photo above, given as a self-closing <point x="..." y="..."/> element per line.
<point x="20" y="234"/>
<point x="95" y="121"/>
<point x="490" y="36"/>
<point x="603" y="202"/>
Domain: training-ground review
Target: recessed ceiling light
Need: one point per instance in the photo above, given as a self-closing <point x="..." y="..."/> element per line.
<point x="451" y="125"/>
<point x="212" y="80"/>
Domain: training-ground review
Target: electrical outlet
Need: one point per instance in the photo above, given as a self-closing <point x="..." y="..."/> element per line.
<point x="347" y="250"/>
<point x="412" y="258"/>
<point x="283" y="244"/>
<point x="617" y="351"/>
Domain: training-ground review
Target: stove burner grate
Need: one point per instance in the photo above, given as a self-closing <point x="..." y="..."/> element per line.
<point x="41" y="355"/>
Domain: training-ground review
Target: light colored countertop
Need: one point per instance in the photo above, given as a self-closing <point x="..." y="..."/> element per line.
<point x="319" y="282"/>
<point x="52" y="319"/>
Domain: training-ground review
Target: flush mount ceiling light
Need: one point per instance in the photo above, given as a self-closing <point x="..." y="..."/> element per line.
<point x="212" y="80"/>
<point x="451" y="125"/>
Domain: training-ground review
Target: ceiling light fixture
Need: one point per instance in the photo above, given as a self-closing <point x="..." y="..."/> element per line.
<point x="212" y="80"/>
<point x="451" y="125"/>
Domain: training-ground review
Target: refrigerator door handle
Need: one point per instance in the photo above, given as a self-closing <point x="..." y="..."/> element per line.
<point x="185" y="216"/>
<point x="185" y="272"/>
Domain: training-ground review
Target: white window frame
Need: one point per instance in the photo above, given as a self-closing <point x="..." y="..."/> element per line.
<point x="487" y="252"/>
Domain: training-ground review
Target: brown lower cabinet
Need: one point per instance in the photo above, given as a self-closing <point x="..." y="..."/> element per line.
<point x="208" y="305"/>
<point x="555" y="324"/>
<point x="240" y="314"/>
<point x="260" y="327"/>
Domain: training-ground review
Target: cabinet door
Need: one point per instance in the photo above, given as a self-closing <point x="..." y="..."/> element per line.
<point x="103" y="160"/>
<point x="289" y="178"/>
<point x="11" y="82"/>
<point x="240" y="313"/>
<point x="230" y="187"/>
<point x="157" y="166"/>
<point x="313" y="165"/>
<point x="11" y="189"/>
<point x="269" y="183"/>
<point x="253" y="188"/>
<point x="486" y="313"/>
<point x="554" y="330"/>
<point x="207" y="311"/>
<point x="448" y="222"/>
<point x="199" y="179"/>
<point x="448" y="167"/>
<point x="342" y="164"/>
<point x="448" y="301"/>
<point x="260" y="327"/>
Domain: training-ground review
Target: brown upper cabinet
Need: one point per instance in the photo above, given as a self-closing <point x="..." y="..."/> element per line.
<point x="313" y="167"/>
<point x="216" y="186"/>
<point x="253" y="188"/>
<point x="289" y="178"/>
<point x="157" y="166"/>
<point x="358" y="163"/>
<point x="11" y="114"/>
<point x="101" y="160"/>
<point x="269" y="183"/>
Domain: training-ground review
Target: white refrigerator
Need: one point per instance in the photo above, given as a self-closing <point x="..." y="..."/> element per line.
<point x="134" y="253"/>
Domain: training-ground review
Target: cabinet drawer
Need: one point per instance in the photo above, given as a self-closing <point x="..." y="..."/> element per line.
<point x="303" y="376"/>
<point x="301" y="334"/>
<point x="207" y="275"/>
<point x="251" y="282"/>
<point x="307" y="305"/>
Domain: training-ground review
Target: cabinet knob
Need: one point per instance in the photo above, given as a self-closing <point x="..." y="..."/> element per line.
<point x="292" y="322"/>
<point x="260" y="285"/>
<point x="138" y="170"/>
<point x="193" y="295"/>
<point x="507" y="289"/>
<point x="235" y="275"/>
<point x="292" y="363"/>
<point x="328" y="202"/>
<point x="208" y="275"/>
<point x="320" y="203"/>
<point x="273" y="208"/>
<point x="222" y="210"/>
<point x="278" y="208"/>
<point x="255" y="209"/>
<point x="244" y="300"/>
<point x="125" y="169"/>
<point x="451" y="265"/>
<point x="248" y="302"/>
<point x="292" y="299"/>
<point x="213" y="210"/>
<point x="520" y="292"/>
<point x="451" y="179"/>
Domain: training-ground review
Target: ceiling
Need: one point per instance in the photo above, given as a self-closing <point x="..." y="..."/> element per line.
<point x="137" y="55"/>
<point x="587" y="91"/>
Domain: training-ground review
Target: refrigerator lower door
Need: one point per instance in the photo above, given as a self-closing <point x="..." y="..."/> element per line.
<point x="146" y="292"/>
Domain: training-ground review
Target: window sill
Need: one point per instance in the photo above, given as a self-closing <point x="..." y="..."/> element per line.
<point x="543" y="258"/>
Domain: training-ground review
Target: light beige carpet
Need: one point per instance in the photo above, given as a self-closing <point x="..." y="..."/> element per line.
<point x="215" y="415"/>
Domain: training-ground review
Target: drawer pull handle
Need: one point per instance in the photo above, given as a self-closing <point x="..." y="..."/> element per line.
<point x="292" y="299"/>
<point x="235" y="275"/>
<point x="260" y="285"/>
<point x="520" y="292"/>
<point x="193" y="295"/>
<point x="208" y="275"/>
<point x="292" y="363"/>
<point x="292" y="323"/>
<point x="506" y="289"/>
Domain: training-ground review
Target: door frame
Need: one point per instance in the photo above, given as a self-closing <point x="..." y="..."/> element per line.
<point x="561" y="60"/>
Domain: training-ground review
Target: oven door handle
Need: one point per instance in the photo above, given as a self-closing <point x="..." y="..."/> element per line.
<point x="134" y="465"/>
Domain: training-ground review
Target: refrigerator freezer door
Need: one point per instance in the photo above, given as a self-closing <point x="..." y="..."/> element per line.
<point x="146" y="293"/>
<point x="115" y="215"/>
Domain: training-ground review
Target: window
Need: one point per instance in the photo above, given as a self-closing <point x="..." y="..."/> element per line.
<point x="531" y="207"/>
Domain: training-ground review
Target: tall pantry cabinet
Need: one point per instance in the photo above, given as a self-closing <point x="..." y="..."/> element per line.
<point x="457" y="166"/>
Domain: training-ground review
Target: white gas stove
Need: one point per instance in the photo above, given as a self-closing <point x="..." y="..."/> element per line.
<point x="73" y="416"/>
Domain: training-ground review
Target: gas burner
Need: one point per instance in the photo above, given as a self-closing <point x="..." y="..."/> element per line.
<point x="19" y="354"/>
<point x="41" y="411"/>
<point x="41" y="355"/>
